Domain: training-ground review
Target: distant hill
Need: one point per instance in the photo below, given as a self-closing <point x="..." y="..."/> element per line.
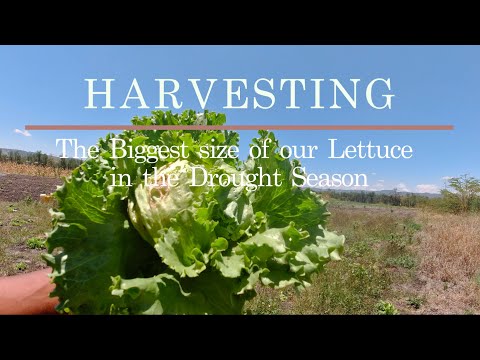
<point x="23" y="153"/>
<point x="390" y="192"/>
<point x="37" y="157"/>
<point x="385" y="192"/>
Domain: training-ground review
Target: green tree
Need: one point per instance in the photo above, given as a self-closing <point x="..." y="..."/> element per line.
<point x="395" y="198"/>
<point x="464" y="193"/>
<point x="73" y="163"/>
<point x="38" y="157"/>
<point x="44" y="159"/>
<point x="17" y="157"/>
<point x="63" y="163"/>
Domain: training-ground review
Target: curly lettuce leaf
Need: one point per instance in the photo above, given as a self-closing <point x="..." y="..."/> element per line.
<point x="210" y="293"/>
<point x="96" y="240"/>
<point x="286" y="203"/>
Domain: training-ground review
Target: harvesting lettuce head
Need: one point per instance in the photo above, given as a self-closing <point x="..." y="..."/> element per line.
<point x="156" y="203"/>
<point x="173" y="244"/>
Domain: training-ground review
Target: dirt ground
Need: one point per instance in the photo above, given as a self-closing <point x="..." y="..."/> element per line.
<point x="15" y="187"/>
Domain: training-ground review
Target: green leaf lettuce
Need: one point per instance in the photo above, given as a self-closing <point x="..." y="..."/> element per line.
<point x="182" y="247"/>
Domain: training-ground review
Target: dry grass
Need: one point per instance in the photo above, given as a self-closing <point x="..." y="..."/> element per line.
<point x="423" y="263"/>
<point x="448" y="273"/>
<point x="9" y="167"/>
<point x="361" y="279"/>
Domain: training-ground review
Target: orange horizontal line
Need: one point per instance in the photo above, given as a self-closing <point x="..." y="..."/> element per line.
<point x="239" y="127"/>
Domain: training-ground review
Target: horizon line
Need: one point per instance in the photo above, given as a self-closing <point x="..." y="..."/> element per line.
<point x="244" y="127"/>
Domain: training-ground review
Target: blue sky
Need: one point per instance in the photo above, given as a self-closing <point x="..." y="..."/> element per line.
<point x="432" y="85"/>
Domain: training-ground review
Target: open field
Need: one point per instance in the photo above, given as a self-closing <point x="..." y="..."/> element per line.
<point x="419" y="262"/>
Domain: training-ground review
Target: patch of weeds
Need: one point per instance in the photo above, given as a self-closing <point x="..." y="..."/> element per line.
<point x="415" y="302"/>
<point x="398" y="241"/>
<point x="18" y="222"/>
<point x="477" y="278"/>
<point x="403" y="235"/>
<point x="358" y="249"/>
<point x="345" y="287"/>
<point x="385" y="308"/>
<point x="405" y="261"/>
<point x="36" y="243"/>
<point x="21" y="266"/>
<point x="410" y="224"/>
<point x="265" y="306"/>
<point x="12" y="209"/>
<point x="410" y="227"/>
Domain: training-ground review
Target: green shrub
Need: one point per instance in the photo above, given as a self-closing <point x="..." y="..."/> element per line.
<point x="405" y="261"/>
<point x="21" y="266"/>
<point x="415" y="302"/>
<point x="36" y="243"/>
<point x="385" y="308"/>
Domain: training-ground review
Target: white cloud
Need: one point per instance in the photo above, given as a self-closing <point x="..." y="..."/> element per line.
<point x="446" y="178"/>
<point x="24" y="132"/>
<point x="402" y="187"/>
<point x="427" y="188"/>
<point x="378" y="186"/>
<point x="374" y="173"/>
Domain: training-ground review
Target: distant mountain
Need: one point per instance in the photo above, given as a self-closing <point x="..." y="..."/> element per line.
<point x="390" y="192"/>
<point x="386" y="192"/>
<point x="22" y="153"/>
<point x="25" y="154"/>
<point x="34" y="157"/>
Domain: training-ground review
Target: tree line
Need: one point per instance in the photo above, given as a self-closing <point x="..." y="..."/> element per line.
<point x="460" y="195"/>
<point x="38" y="158"/>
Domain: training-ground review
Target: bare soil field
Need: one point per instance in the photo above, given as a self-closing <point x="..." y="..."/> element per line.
<point x="14" y="187"/>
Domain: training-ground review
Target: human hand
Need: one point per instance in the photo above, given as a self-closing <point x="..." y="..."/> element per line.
<point x="27" y="294"/>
